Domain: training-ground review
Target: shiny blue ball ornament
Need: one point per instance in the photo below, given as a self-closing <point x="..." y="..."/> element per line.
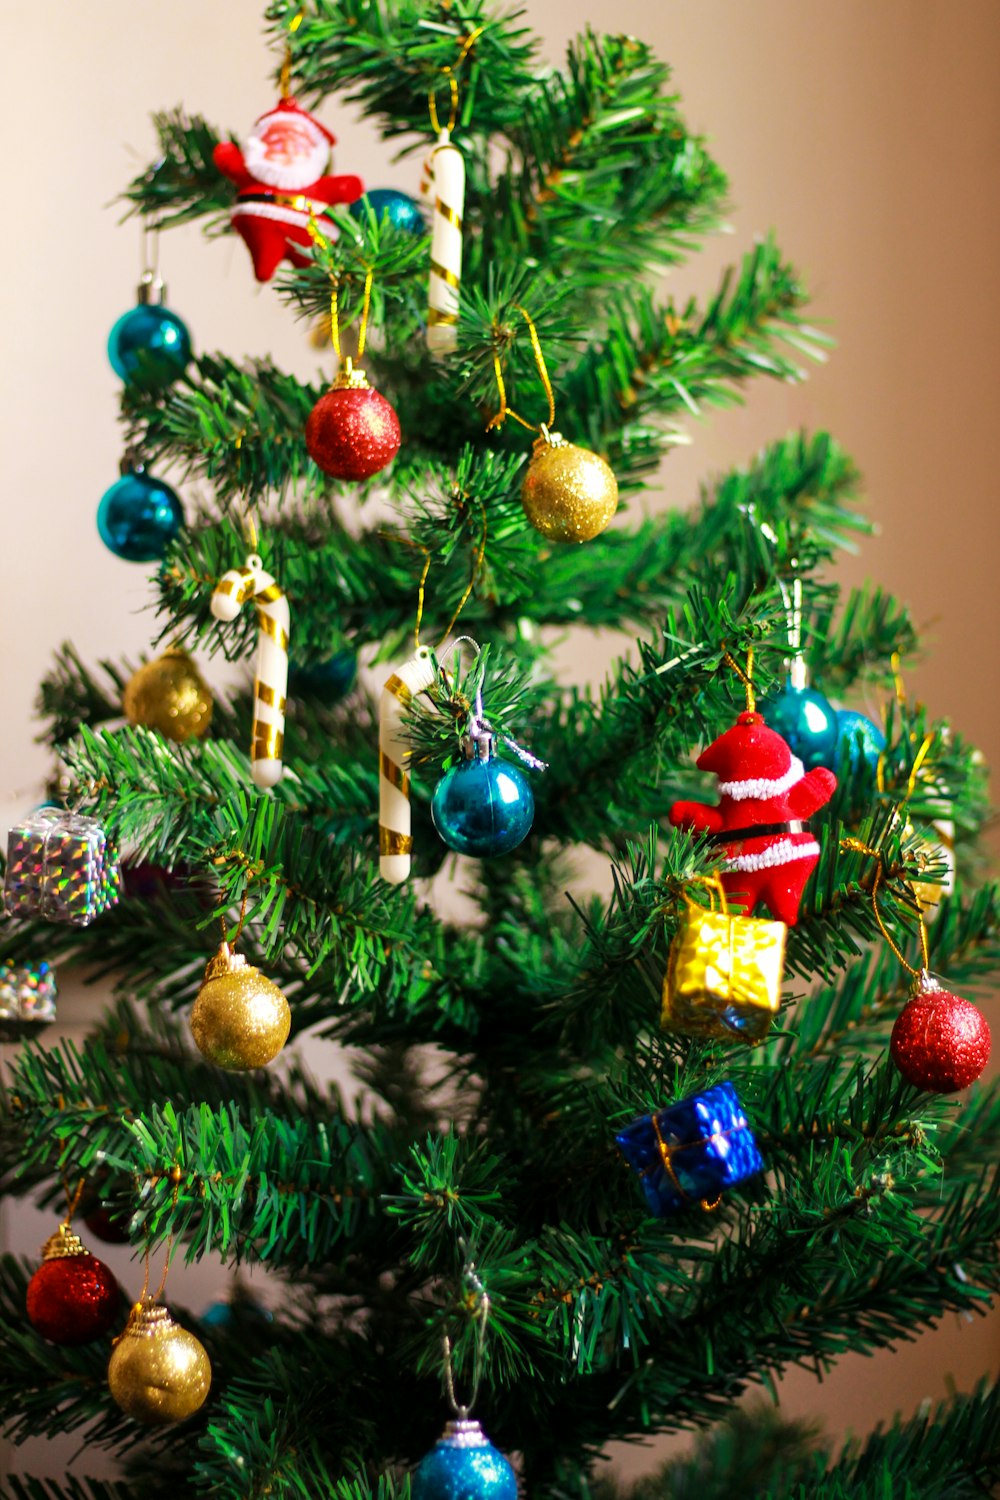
<point x="228" y="1315"/>
<point x="329" y="680"/>
<point x="859" y="739"/>
<point x="149" y="346"/>
<point x="403" y="211"/>
<point x="806" y="721"/>
<point x="483" y="806"/>
<point x="463" y="1465"/>
<point x="139" y="516"/>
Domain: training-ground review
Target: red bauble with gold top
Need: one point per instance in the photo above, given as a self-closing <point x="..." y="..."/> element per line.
<point x="940" y="1042"/>
<point x="352" y="431"/>
<point x="72" y="1298"/>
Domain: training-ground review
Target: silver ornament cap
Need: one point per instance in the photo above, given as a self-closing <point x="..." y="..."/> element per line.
<point x="463" y="1433"/>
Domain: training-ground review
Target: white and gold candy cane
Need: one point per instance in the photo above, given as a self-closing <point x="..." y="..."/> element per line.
<point x="447" y="177"/>
<point x="448" y="182"/>
<point x="230" y="594"/>
<point x="394" y="841"/>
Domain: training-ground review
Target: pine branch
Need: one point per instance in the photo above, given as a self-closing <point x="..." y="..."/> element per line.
<point x="23" y="1487"/>
<point x="253" y="1184"/>
<point x="45" y="1388"/>
<point x="953" y="1444"/>
<point x="130" y="1063"/>
<point x="387" y="55"/>
<point x="361" y="587"/>
<point x="754" y="1448"/>
<point x="72" y="695"/>
<point x="658" y="363"/>
<point x="856" y="1012"/>
<point x="948" y="1450"/>
<point x="184" y="182"/>
<point x="779" y="1315"/>
<point x="237" y="428"/>
<point x="271" y="1436"/>
<point x="604" y="173"/>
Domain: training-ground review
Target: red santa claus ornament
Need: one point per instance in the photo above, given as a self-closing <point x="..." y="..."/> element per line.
<point x="281" y="177"/>
<point x="765" y="796"/>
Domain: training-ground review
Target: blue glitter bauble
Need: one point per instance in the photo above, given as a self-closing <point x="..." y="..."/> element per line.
<point x="861" y="741"/>
<point x="149" y="345"/>
<point x="138" y="517"/>
<point x="402" y="210"/>
<point x="806" y="721"/>
<point x="329" y="681"/>
<point x="483" y="807"/>
<point x="464" y="1465"/>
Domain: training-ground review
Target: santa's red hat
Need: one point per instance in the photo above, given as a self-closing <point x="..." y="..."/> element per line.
<point x="288" y="106"/>
<point x="751" y="760"/>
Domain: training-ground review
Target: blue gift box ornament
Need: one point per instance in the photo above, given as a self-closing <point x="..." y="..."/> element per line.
<point x="691" y="1151"/>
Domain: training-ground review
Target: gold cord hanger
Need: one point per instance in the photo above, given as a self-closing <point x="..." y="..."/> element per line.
<point x="507" y="411"/>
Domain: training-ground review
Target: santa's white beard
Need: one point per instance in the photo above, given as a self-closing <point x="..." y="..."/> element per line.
<point x="289" y="176"/>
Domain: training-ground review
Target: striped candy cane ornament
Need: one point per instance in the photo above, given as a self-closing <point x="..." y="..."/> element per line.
<point x="230" y="594"/>
<point x="447" y="177"/>
<point x="394" y="841"/>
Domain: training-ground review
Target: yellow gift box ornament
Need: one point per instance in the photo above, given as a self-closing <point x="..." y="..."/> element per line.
<point x="724" y="973"/>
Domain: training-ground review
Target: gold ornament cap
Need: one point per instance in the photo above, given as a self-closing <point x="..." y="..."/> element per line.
<point x="64" y="1243"/>
<point x="170" y="696"/>
<point x="225" y="961"/>
<point x="159" y="1372"/>
<point x="569" y="494"/>
<point x="240" y="1019"/>
<point x="350" y="379"/>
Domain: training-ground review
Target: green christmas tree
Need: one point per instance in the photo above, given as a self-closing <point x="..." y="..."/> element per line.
<point x="470" y="1191"/>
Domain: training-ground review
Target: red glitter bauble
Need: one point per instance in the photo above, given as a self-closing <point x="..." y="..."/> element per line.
<point x="73" y="1299"/>
<point x="109" y="1225"/>
<point x="940" y="1042"/>
<point x="352" y="431"/>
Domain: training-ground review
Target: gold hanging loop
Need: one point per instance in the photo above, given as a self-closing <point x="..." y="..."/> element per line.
<point x="861" y="848"/>
<point x="745" y="675"/>
<point x="506" y="411"/>
<point x="285" y="83"/>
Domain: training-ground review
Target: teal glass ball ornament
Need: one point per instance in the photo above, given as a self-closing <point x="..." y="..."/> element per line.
<point x="463" y="1465"/>
<point x="861" y="741"/>
<point x="483" y="806"/>
<point x="149" y="346"/>
<point x="329" y="680"/>
<point x="402" y="211"/>
<point x="806" y="721"/>
<point x="236" y="1313"/>
<point x="139" y="516"/>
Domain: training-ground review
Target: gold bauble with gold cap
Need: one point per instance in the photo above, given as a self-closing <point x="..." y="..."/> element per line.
<point x="170" y="696"/>
<point x="569" y="494"/>
<point x="159" y="1372"/>
<point x="240" y="1019"/>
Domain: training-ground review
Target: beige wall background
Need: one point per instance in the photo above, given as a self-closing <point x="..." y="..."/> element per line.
<point x="868" y="136"/>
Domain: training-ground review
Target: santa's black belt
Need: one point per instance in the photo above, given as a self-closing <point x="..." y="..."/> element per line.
<point x="756" y="831"/>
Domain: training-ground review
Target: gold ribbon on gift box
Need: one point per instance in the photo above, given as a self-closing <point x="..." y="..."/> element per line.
<point x="724" y="973"/>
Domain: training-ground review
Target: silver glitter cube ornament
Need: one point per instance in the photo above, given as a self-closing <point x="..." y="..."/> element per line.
<point x="27" y="998"/>
<point x="60" y="866"/>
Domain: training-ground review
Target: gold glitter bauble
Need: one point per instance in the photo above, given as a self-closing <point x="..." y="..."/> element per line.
<point x="569" y="494"/>
<point x="168" y="695"/>
<point x="158" y="1372"/>
<point x="240" y="1019"/>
